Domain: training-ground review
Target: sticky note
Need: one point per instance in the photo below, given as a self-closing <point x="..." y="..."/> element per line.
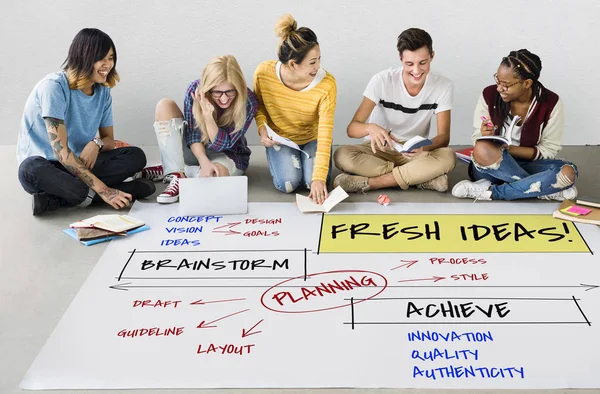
<point x="567" y="212"/>
<point x="579" y="210"/>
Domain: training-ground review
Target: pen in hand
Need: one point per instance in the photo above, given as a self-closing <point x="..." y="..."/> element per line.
<point x="489" y="122"/>
<point x="385" y="142"/>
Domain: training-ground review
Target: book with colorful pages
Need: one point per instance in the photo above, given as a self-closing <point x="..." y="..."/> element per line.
<point x="114" y="223"/>
<point x="464" y="154"/>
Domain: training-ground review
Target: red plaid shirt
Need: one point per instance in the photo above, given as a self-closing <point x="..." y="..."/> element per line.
<point x="234" y="145"/>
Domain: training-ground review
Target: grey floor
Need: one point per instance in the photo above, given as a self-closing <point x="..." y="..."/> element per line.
<point x="41" y="269"/>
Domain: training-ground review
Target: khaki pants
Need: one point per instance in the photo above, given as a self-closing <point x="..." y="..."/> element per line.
<point x="360" y="160"/>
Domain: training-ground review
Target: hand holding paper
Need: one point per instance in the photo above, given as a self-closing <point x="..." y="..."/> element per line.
<point x="306" y="204"/>
<point x="283" y="141"/>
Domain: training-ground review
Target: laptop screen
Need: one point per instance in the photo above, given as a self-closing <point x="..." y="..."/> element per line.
<point x="213" y="196"/>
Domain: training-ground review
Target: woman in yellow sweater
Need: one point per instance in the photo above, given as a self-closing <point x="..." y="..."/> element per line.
<point x="297" y="101"/>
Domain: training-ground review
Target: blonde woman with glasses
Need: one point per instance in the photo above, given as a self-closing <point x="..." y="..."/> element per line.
<point x="209" y="136"/>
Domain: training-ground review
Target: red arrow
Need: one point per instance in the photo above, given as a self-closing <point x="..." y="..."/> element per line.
<point x="408" y="264"/>
<point x="229" y="226"/>
<point x="434" y="279"/>
<point x="200" y="302"/>
<point x="204" y="324"/>
<point x="248" y="333"/>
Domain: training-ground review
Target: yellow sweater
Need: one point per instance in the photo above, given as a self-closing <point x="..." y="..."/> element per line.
<point x="300" y="116"/>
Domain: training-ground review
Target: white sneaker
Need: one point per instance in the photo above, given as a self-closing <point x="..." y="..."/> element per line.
<point x="171" y="193"/>
<point x="476" y="190"/>
<point x="439" y="184"/>
<point x="567" y="194"/>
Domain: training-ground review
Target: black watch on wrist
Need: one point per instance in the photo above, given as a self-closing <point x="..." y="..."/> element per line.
<point x="98" y="142"/>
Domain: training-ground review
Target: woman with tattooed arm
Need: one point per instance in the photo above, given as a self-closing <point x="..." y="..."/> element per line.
<point x="65" y="150"/>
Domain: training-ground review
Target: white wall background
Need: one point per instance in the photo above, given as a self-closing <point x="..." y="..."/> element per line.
<point x="163" y="45"/>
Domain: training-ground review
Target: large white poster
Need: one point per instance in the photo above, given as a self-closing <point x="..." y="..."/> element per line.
<point x="407" y="296"/>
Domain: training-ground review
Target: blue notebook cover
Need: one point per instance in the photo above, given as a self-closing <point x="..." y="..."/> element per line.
<point x="71" y="233"/>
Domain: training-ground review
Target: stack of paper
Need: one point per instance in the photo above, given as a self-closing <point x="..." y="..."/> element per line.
<point x="568" y="210"/>
<point x="114" y="223"/>
<point x="103" y="228"/>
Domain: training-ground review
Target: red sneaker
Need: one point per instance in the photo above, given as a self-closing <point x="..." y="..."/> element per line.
<point x="154" y="173"/>
<point x="171" y="193"/>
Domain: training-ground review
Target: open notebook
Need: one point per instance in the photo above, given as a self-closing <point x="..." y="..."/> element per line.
<point x="507" y="133"/>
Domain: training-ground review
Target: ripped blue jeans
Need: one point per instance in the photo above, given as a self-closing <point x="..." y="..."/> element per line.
<point x="290" y="168"/>
<point x="514" y="179"/>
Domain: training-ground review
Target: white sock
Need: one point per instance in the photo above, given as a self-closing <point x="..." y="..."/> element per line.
<point x="88" y="199"/>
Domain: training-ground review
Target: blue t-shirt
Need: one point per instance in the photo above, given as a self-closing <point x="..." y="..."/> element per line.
<point x="83" y="116"/>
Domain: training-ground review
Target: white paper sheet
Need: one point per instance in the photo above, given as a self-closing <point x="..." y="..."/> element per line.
<point x="306" y="204"/>
<point x="283" y="141"/>
<point x="264" y="300"/>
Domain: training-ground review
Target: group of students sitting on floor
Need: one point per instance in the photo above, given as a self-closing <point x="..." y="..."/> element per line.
<point x="67" y="155"/>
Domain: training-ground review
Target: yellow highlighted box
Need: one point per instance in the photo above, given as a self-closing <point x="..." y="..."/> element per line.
<point x="449" y="233"/>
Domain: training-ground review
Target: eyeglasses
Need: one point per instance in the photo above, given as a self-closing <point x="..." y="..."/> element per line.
<point x="217" y="94"/>
<point x="502" y="84"/>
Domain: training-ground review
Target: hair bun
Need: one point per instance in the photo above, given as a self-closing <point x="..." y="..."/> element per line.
<point x="285" y="25"/>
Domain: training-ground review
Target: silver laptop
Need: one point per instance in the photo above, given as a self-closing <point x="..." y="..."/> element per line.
<point x="213" y="196"/>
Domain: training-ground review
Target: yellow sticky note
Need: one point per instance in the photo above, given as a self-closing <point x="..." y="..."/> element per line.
<point x="448" y="233"/>
<point x="567" y="212"/>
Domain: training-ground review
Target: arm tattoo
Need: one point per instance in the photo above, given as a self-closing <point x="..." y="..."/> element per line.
<point x="80" y="171"/>
<point x="109" y="193"/>
<point x="53" y="123"/>
<point x="57" y="147"/>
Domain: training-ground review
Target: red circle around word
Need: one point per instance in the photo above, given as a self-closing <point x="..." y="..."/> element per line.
<point x="262" y="298"/>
